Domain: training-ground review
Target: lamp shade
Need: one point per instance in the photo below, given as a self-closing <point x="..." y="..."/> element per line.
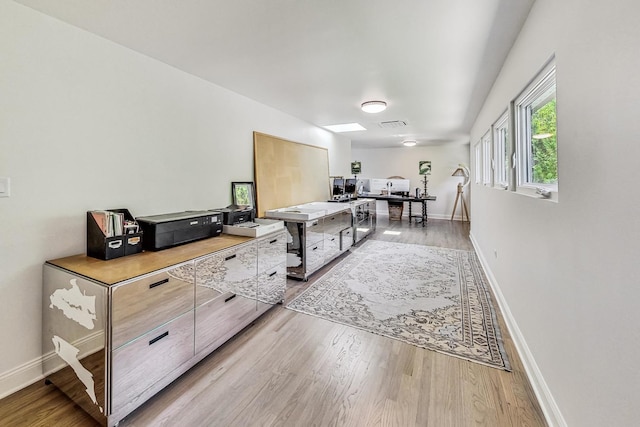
<point x="462" y="171"/>
<point x="459" y="172"/>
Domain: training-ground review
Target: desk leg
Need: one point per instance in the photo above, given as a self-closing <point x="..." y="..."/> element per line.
<point x="410" y="211"/>
<point x="424" y="212"/>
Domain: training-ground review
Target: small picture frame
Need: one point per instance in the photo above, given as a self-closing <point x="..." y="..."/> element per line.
<point x="356" y="168"/>
<point x="424" y="167"/>
<point x="243" y="194"/>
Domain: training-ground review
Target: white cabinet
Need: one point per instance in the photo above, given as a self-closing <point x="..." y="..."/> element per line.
<point x="117" y="332"/>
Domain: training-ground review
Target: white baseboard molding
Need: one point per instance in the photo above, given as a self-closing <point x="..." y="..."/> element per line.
<point x="543" y="393"/>
<point x="28" y="373"/>
<point x="18" y="378"/>
<point x="405" y="215"/>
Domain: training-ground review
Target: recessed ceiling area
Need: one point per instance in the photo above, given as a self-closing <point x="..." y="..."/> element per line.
<point x="433" y="62"/>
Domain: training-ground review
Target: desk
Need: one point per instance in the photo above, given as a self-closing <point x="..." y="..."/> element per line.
<point x="411" y="200"/>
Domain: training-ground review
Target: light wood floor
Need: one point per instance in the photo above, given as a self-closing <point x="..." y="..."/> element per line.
<point x="290" y="369"/>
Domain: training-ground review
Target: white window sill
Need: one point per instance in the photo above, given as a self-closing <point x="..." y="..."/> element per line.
<point x="533" y="193"/>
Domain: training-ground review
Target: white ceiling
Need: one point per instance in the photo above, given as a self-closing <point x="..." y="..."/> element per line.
<point x="432" y="61"/>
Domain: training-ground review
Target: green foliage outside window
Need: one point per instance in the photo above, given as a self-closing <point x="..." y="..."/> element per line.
<point x="545" y="150"/>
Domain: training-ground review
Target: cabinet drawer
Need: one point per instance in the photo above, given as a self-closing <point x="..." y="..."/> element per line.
<point x="331" y="246"/>
<point x="336" y="222"/>
<point x="232" y="270"/>
<point x="142" y="305"/>
<point x="141" y="363"/>
<point x="220" y="319"/>
<point x="346" y="239"/>
<point x="314" y="257"/>
<point x="331" y="222"/>
<point x="272" y="285"/>
<point x="272" y="251"/>
<point x="313" y="232"/>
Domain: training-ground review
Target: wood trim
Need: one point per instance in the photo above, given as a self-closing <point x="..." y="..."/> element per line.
<point x="120" y="269"/>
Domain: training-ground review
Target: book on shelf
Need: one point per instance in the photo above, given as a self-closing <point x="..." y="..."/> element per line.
<point x="112" y="223"/>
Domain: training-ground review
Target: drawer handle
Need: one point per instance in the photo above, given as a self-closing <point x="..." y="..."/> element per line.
<point x="273" y="274"/>
<point x="115" y="244"/>
<point x="333" y="239"/>
<point x="315" y="248"/>
<point x="158" y="338"/>
<point x="161" y="282"/>
<point x="273" y="241"/>
<point x="230" y="298"/>
<point x="230" y="257"/>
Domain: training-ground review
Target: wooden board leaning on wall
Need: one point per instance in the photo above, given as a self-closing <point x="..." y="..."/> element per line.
<point x="288" y="173"/>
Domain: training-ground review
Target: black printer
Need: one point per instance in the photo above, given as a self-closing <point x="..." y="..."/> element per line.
<point x="234" y="214"/>
<point x="167" y="230"/>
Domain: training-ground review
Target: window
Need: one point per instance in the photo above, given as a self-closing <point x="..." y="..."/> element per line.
<point x="478" y="162"/>
<point x="501" y="151"/>
<point x="486" y="158"/>
<point x="536" y="143"/>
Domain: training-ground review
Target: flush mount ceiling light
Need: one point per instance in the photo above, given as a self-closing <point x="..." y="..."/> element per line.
<point x="373" y="106"/>
<point x="409" y="142"/>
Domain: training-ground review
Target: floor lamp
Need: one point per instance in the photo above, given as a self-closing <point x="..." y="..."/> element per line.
<point x="461" y="171"/>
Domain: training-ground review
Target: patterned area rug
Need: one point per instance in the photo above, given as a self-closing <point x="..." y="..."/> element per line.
<point x="434" y="298"/>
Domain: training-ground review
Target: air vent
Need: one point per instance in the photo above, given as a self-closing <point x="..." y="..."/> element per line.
<point x="392" y="124"/>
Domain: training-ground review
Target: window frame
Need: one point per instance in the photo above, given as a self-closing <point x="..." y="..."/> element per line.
<point x="501" y="151"/>
<point x="478" y="162"/>
<point x="487" y="159"/>
<point x="523" y="159"/>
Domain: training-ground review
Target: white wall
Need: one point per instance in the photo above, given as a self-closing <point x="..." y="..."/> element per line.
<point x="87" y="124"/>
<point x="568" y="272"/>
<point x="403" y="161"/>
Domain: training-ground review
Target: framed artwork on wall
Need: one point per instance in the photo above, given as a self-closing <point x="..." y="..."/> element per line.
<point x="356" y="168"/>
<point x="424" y="167"/>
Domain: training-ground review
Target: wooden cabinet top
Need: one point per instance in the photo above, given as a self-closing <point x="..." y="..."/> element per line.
<point x="120" y="269"/>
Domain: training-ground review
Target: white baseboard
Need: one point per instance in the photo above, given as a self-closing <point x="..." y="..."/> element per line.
<point x="20" y="377"/>
<point x="543" y="393"/>
<point x="28" y="373"/>
<point x="405" y="215"/>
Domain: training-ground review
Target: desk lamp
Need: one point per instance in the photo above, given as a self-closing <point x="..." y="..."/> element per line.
<point x="461" y="171"/>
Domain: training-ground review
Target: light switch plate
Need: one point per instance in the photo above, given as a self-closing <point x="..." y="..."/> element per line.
<point x="5" y="186"/>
